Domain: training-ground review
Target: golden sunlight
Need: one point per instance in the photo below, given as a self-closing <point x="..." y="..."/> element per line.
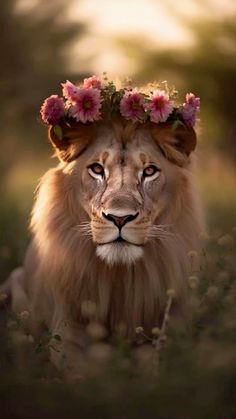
<point x="158" y="24"/>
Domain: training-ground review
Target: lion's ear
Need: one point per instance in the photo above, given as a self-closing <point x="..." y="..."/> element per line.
<point x="176" y="141"/>
<point x="69" y="141"/>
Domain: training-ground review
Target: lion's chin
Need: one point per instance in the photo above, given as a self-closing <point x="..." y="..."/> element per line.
<point x="115" y="253"/>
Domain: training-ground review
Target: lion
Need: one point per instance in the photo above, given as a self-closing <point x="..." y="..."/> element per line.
<point x="112" y="225"/>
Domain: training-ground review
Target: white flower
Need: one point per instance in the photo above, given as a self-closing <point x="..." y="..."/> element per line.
<point x="192" y="254"/>
<point x="225" y="240"/>
<point x="139" y="329"/>
<point x="156" y="331"/>
<point x="193" y="281"/>
<point x="170" y="292"/>
<point x="24" y="315"/>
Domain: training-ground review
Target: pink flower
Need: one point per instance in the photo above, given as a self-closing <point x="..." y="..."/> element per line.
<point x="190" y="109"/>
<point x="92" y="82"/>
<point x="52" y="110"/>
<point x="87" y="105"/>
<point x="132" y="106"/>
<point x="160" y="106"/>
<point x="69" y="91"/>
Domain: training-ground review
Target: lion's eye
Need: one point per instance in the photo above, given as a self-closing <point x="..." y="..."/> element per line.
<point x="96" y="169"/>
<point x="150" y="171"/>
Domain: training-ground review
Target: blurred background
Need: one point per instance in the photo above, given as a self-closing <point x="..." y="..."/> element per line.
<point x="191" y="43"/>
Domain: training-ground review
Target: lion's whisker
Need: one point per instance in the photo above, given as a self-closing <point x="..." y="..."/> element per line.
<point x="160" y="231"/>
<point x="84" y="229"/>
<point x="85" y="239"/>
<point x="86" y="233"/>
<point x="161" y="226"/>
<point x="159" y="236"/>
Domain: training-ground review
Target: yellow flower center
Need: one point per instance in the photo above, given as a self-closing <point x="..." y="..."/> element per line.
<point x="87" y="104"/>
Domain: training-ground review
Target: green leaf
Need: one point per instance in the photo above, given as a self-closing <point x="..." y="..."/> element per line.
<point x="14" y="317"/>
<point x="57" y="337"/>
<point x="176" y="124"/>
<point x="58" y="132"/>
<point x="38" y="349"/>
<point x="46" y="337"/>
<point x="221" y="263"/>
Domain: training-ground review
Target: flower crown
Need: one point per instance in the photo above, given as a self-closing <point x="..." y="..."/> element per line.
<point x="95" y="100"/>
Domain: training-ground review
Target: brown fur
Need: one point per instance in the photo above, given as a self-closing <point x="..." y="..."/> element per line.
<point x="62" y="269"/>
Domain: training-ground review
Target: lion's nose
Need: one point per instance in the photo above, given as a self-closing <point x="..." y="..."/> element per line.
<point x="120" y="221"/>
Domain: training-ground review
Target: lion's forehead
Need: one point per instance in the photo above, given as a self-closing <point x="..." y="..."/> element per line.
<point x="109" y="148"/>
<point x="128" y="158"/>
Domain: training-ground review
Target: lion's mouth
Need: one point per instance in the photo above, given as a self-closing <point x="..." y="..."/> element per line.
<point x="119" y="251"/>
<point x="125" y="242"/>
<point x="120" y="241"/>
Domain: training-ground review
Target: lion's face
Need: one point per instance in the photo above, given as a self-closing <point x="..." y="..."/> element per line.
<point x="127" y="189"/>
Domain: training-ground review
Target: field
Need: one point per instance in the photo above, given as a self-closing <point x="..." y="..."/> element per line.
<point x="193" y="375"/>
<point x="185" y="370"/>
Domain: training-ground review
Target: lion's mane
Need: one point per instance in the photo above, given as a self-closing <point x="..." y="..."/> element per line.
<point x="66" y="262"/>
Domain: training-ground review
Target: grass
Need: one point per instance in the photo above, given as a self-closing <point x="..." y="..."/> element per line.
<point x="196" y="374"/>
